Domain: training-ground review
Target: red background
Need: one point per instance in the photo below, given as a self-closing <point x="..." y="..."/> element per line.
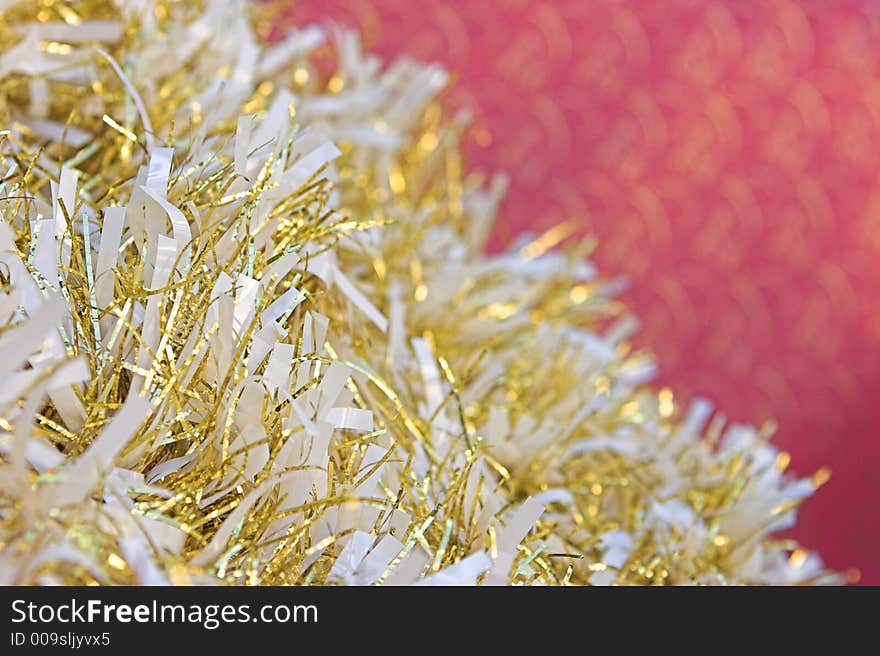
<point x="727" y="154"/>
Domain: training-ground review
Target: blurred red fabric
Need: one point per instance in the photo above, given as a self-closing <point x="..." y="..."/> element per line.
<point x="727" y="154"/>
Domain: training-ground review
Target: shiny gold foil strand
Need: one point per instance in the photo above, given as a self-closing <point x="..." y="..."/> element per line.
<point x="342" y="387"/>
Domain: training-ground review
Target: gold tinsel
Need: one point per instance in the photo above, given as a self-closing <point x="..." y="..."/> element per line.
<point x="249" y="335"/>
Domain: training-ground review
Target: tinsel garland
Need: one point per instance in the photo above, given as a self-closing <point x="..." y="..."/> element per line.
<point x="250" y="335"/>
